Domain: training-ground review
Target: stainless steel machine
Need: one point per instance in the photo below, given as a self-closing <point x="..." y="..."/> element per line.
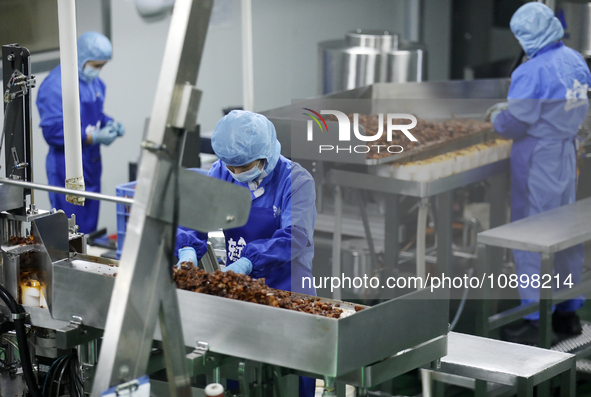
<point x="93" y="323"/>
<point x="358" y="197"/>
<point x="369" y="56"/>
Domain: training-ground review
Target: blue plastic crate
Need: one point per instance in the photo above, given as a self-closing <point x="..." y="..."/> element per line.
<point x="124" y="190"/>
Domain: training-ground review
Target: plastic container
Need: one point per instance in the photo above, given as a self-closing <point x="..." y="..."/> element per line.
<point x="124" y="190"/>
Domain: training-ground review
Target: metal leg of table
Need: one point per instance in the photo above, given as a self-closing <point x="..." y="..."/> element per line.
<point x="568" y="380"/>
<point x="525" y="387"/>
<point x="480" y="388"/>
<point x="337" y="236"/>
<point x="444" y="233"/>
<point x="546" y="273"/>
<point x="392" y="224"/>
<point x="497" y="197"/>
<point x="482" y="321"/>
<point x="368" y="237"/>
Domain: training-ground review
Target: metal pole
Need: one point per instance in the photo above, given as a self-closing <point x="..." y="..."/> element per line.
<point x="336" y="239"/>
<point x="63" y="190"/>
<point x="70" y="97"/>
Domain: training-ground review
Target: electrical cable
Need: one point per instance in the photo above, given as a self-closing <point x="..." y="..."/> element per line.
<point x="21" y="337"/>
<point x="462" y="304"/>
<point x="49" y="371"/>
<point x="54" y="374"/>
<point x="59" y="382"/>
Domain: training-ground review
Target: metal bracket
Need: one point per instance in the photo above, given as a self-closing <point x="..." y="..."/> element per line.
<point x="75" y="333"/>
<point x="186" y="98"/>
<point x="201" y="348"/>
<point x="20" y="316"/>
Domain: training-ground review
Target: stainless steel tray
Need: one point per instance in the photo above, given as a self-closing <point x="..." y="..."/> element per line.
<point x="301" y="341"/>
<point x="440" y="100"/>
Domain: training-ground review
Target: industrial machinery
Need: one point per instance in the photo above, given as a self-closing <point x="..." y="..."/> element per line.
<point x="369" y="56"/>
<point x="83" y="324"/>
<point x="362" y="196"/>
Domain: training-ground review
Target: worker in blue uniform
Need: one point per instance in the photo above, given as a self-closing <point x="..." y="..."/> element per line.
<point x="277" y="241"/>
<point x="94" y="50"/>
<point x="547" y="102"/>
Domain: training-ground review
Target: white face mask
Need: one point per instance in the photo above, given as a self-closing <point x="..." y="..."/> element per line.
<point x="90" y="72"/>
<point x="249" y="175"/>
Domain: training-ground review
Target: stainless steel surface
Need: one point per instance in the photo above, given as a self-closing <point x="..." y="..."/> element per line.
<point x="369" y="56"/>
<point x="141" y="287"/>
<point x="77" y="292"/>
<point x="501" y="362"/>
<point x="56" y="189"/>
<point x="266" y="334"/>
<point x="11" y="197"/>
<point x="416" y="189"/>
<point x="397" y="364"/>
<point x="231" y="209"/>
<point x="209" y="261"/>
<point x="548" y="232"/>
<point x="437" y="100"/>
<point x="578" y="21"/>
<point x="332" y="347"/>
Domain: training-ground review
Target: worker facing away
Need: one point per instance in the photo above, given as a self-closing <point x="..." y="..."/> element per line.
<point x="546" y="104"/>
<point x="277" y="241"/>
<point x="94" y="51"/>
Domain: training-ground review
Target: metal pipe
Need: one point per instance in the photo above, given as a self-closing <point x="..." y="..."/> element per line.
<point x="63" y="190"/>
<point x="421" y="234"/>
<point x="70" y="98"/>
<point x="247" y="57"/>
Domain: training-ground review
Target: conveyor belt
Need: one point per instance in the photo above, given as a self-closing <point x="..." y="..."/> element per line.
<point x="579" y="345"/>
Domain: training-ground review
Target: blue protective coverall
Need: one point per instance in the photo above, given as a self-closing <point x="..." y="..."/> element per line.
<point x="278" y="237"/>
<point x="49" y="103"/>
<point x="547" y="103"/>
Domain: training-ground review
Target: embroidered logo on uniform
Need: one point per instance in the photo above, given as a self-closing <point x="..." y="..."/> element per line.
<point x="577" y="96"/>
<point x="276" y="212"/>
<point x="235" y="249"/>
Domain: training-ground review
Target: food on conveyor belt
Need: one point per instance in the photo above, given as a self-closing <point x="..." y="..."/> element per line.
<point x="14" y="240"/>
<point x="427" y="132"/>
<point x="241" y="287"/>
<point x="448" y="163"/>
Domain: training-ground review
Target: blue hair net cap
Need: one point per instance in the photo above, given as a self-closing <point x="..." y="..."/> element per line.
<point x="242" y="137"/>
<point x="535" y="26"/>
<point x="93" y="46"/>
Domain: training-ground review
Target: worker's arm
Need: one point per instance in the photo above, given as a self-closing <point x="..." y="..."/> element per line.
<point x="191" y="238"/>
<point x="525" y="105"/>
<point x="297" y="228"/>
<point x="509" y="126"/>
<point x="54" y="134"/>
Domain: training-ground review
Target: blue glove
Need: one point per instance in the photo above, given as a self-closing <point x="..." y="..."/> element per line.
<point x="495" y="110"/>
<point x="187" y="254"/>
<point x="105" y="136"/>
<point x="242" y="265"/>
<point x="118" y="127"/>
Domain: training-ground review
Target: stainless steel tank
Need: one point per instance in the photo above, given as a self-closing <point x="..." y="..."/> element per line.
<point x="577" y="34"/>
<point x="368" y="56"/>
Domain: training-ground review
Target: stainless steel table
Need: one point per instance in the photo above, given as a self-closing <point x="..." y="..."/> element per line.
<point x="442" y="189"/>
<point x="507" y="363"/>
<point x="546" y="233"/>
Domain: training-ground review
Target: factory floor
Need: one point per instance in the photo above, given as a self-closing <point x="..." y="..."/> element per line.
<point x="410" y="384"/>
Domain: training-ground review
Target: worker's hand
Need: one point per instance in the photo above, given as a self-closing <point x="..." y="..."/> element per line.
<point x="495" y="110"/>
<point x="118" y="127"/>
<point x="187" y="256"/>
<point x="242" y="265"/>
<point x="105" y="136"/>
